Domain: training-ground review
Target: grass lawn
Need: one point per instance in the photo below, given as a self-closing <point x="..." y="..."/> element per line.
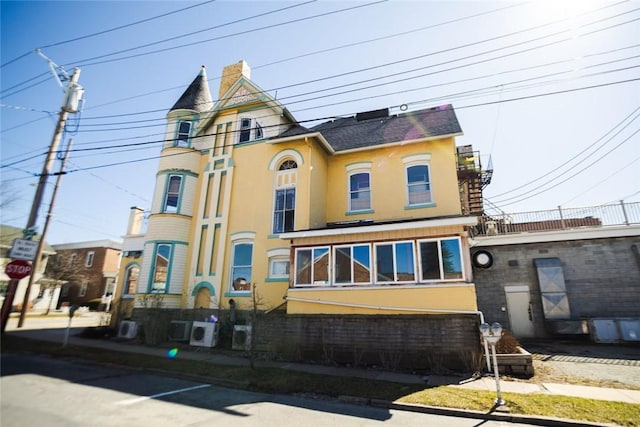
<point x="275" y="380"/>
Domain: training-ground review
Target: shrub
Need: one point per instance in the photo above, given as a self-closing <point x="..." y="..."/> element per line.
<point x="508" y="344"/>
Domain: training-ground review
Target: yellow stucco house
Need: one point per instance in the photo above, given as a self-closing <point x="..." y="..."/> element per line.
<point x="355" y="216"/>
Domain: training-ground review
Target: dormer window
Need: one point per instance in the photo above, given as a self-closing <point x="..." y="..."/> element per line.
<point x="184" y="132"/>
<point x="250" y="130"/>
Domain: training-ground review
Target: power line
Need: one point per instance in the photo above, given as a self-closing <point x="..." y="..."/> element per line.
<point x="109" y="30"/>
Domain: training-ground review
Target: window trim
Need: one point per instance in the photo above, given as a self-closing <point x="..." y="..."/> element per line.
<point x="350" y="192"/>
<point x="253" y="130"/>
<point x="89" y="259"/>
<point x="127" y="279"/>
<point x="84" y="285"/>
<point x="442" y="278"/>
<point x="178" y="195"/>
<point x="151" y="287"/>
<point x="394" y="244"/>
<point x="187" y="141"/>
<point x="234" y="244"/>
<point x="313" y="283"/>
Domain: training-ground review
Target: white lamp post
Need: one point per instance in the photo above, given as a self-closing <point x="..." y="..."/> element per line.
<point x="492" y="335"/>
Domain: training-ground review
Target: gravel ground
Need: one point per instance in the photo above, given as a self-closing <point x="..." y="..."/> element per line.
<point x="605" y="365"/>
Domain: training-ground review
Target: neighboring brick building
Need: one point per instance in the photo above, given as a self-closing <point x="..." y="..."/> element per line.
<point x="95" y="266"/>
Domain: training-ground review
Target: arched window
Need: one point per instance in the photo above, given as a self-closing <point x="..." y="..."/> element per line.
<point x="285" y="197"/>
<point x="131" y="280"/>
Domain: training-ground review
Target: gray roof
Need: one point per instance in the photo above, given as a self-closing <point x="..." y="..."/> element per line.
<point x="378" y="128"/>
<point x="197" y="97"/>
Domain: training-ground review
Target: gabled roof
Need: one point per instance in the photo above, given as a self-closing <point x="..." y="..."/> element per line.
<point x="360" y="131"/>
<point x="197" y="97"/>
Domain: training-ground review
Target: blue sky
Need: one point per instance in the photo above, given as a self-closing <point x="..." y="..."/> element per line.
<point x="549" y="90"/>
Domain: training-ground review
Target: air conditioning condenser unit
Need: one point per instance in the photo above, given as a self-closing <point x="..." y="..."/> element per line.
<point x="180" y="330"/>
<point x="241" y="337"/>
<point x="204" y="334"/>
<point x="127" y="329"/>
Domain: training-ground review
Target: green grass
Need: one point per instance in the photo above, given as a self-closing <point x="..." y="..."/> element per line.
<point x="273" y="380"/>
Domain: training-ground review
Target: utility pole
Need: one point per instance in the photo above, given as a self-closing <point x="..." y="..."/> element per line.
<point x="70" y="104"/>
<point x="36" y="260"/>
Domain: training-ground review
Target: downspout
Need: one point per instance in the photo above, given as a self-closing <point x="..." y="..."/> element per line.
<point x="420" y="310"/>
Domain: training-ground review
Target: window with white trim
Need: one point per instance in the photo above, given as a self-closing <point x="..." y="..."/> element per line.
<point x="183" y="134"/>
<point x="279" y="267"/>
<point x="160" y="272"/>
<point x="172" y="196"/>
<point x="241" y="266"/>
<point x="284" y="206"/>
<point x="352" y="264"/>
<point x="72" y="260"/>
<point x="312" y="266"/>
<point x="89" y="260"/>
<point x="250" y="130"/>
<point x="359" y="191"/>
<point x="440" y="259"/>
<point x="418" y="185"/>
<point x="395" y="262"/>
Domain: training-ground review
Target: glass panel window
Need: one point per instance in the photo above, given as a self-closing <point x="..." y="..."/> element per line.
<point x="184" y="131"/>
<point x="241" y="266"/>
<point x="89" y="261"/>
<point x="418" y="185"/>
<point x="312" y="266"/>
<point x="245" y="130"/>
<point x="440" y="260"/>
<point x="395" y="262"/>
<point x="352" y="264"/>
<point x="161" y="268"/>
<point x="284" y="210"/>
<point x="82" y="292"/>
<point x="131" y="280"/>
<point x="359" y="192"/>
<point x="173" y="194"/>
<point x="279" y="267"/>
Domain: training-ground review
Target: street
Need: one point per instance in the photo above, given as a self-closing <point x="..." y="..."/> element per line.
<point x="40" y="391"/>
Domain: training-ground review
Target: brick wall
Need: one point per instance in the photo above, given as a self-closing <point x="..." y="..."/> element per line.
<point x="430" y="343"/>
<point x="602" y="278"/>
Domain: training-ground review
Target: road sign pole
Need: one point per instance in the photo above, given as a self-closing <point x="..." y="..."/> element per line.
<point x="6" y="308"/>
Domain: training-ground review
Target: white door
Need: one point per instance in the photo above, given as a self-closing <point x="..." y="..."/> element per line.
<point x="519" y="310"/>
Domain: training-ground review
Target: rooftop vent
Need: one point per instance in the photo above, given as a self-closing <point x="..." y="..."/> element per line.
<point x="374" y="114"/>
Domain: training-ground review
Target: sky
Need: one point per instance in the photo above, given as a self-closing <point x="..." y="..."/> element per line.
<point x="548" y="92"/>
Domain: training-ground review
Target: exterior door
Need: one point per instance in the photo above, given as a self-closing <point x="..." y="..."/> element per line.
<point x="519" y="310"/>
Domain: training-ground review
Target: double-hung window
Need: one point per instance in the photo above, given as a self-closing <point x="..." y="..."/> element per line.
<point x="89" y="260"/>
<point x="172" y="196"/>
<point x="359" y="191"/>
<point x="161" y="261"/>
<point x="131" y="280"/>
<point x="284" y="206"/>
<point x="241" y="266"/>
<point x="395" y="262"/>
<point x="418" y="185"/>
<point x="250" y="130"/>
<point x="440" y="259"/>
<point x="183" y="134"/>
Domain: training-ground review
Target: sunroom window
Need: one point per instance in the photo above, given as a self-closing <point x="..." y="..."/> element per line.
<point x="312" y="266"/>
<point x="395" y="262"/>
<point x="440" y="259"/>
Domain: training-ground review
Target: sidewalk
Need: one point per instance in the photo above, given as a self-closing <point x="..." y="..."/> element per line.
<point x="486" y="383"/>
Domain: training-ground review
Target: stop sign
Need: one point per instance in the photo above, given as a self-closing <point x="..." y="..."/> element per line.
<point x="18" y="269"/>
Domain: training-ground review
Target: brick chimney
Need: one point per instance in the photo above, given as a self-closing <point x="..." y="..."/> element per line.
<point x="231" y="73"/>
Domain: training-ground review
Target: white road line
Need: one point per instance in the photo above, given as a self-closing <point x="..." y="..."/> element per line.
<point x="154" y="396"/>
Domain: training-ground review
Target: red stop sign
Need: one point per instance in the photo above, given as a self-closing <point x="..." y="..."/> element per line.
<point x="18" y="269"/>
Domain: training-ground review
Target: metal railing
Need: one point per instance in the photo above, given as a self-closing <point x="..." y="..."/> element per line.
<point x="559" y="219"/>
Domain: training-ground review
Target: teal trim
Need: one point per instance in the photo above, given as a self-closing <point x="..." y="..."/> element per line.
<point x="207" y="168"/>
<point x="236" y="294"/>
<point x="277" y="280"/>
<point x="203" y="285"/>
<point x="364" y="212"/>
<point x="248" y="143"/>
<point x="153" y="269"/>
<point x="279" y="154"/>
<point x="421" y="206"/>
<point x="273" y="236"/>
<point x="183" y="172"/>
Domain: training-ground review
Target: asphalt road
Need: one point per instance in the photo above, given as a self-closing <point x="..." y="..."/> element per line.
<point x="39" y="391"/>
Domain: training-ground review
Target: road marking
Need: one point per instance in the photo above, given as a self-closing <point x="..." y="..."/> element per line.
<point x="154" y="396"/>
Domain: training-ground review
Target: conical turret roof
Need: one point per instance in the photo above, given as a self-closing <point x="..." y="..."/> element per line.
<point x="197" y="97"/>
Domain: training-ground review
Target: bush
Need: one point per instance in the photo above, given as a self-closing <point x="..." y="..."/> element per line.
<point x="508" y="344"/>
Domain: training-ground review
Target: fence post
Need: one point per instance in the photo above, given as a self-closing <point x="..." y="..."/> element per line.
<point x="624" y="213"/>
<point x="561" y="218"/>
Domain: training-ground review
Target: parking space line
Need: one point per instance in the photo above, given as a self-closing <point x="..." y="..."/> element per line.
<point x="154" y="396"/>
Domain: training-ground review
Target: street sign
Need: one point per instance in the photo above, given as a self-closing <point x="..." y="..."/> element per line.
<point x="18" y="269"/>
<point x="24" y="249"/>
